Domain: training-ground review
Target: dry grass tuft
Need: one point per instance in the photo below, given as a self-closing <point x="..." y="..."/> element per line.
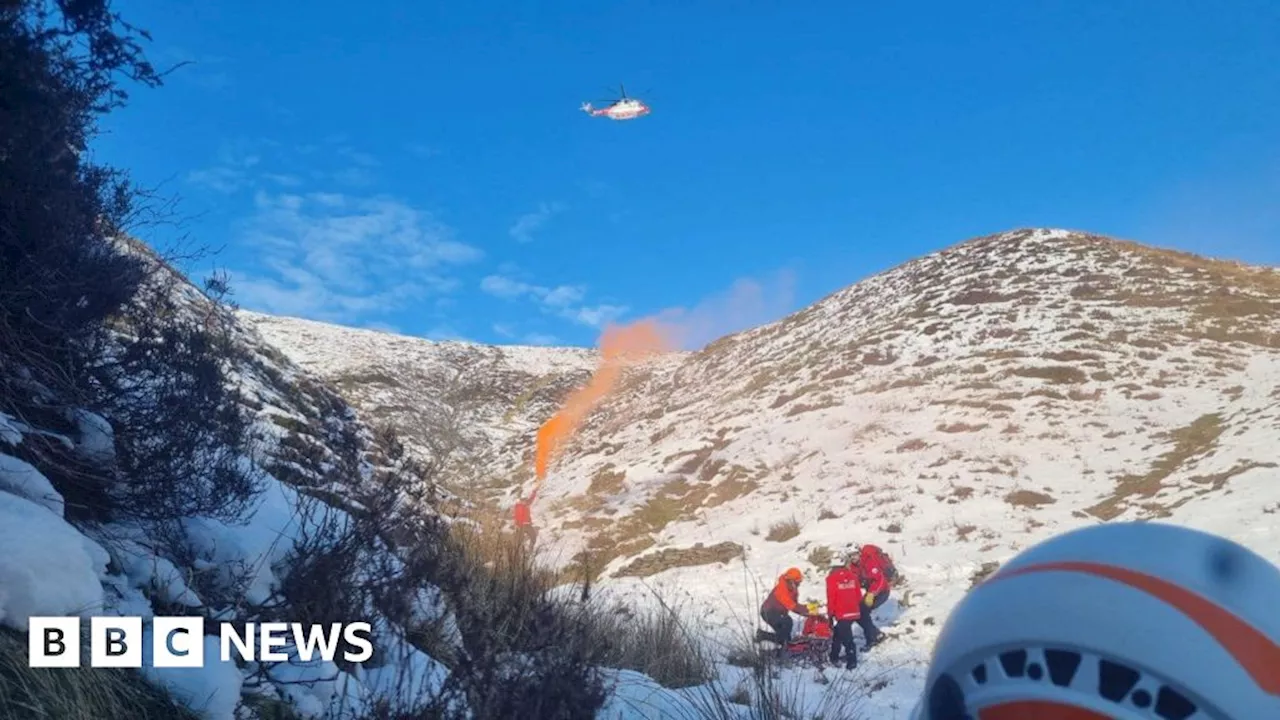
<point x="961" y="427"/>
<point x="1028" y="499"/>
<point x="84" y="693"/>
<point x="821" y="557"/>
<point x="607" y="481"/>
<point x="783" y="531"/>
<point x="1058" y="374"/>
<point x="912" y="445"/>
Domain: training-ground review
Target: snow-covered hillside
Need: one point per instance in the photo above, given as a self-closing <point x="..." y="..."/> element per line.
<point x="249" y="565"/>
<point x="479" y="404"/>
<point x="954" y="410"/>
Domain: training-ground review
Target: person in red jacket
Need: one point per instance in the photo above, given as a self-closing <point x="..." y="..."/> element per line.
<point x="844" y="605"/>
<point x="874" y="570"/>
<point x="777" y="608"/>
<point x="526" y="533"/>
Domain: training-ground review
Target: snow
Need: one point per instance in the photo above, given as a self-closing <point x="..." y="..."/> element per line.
<point x="96" y="437"/>
<point x="212" y="691"/>
<point x="313" y="686"/>
<point x="20" y="478"/>
<point x="409" y="675"/>
<point x="47" y="567"/>
<point x="11" y="429"/>
<point x="154" y="574"/>
<point x="634" y="696"/>
<point x="251" y="551"/>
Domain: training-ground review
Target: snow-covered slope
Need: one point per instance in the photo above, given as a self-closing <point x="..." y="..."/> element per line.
<point x="305" y="444"/>
<point x="954" y="410"/>
<point x="478" y="404"/>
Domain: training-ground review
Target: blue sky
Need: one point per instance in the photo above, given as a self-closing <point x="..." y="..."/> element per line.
<point x="423" y="166"/>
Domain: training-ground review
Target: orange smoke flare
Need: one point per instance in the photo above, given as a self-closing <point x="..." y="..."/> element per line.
<point x="619" y="346"/>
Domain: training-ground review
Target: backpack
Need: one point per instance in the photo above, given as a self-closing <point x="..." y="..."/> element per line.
<point x="886" y="562"/>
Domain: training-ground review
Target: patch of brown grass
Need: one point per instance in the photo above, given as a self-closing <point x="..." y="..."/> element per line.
<point x="1058" y="374"/>
<point x="801" y="408"/>
<point x="982" y="297"/>
<point x="1189" y="442"/>
<point x="912" y="445"/>
<point x="1028" y="499"/>
<point x="1070" y="356"/>
<point x="670" y="558"/>
<point x="800" y="392"/>
<point x="841" y="371"/>
<point x="607" y="481"/>
<point x="960" y="427"/>
<point x="879" y="357"/>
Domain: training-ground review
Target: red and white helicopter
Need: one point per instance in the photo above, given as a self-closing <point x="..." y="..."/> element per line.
<point x="624" y="108"/>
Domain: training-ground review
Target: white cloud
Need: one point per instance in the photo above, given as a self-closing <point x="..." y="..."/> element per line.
<point x="597" y="316"/>
<point x="283" y="179"/>
<point x="240" y="165"/>
<point x="225" y="180"/>
<point x="529" y="223"/>
<point x="564" y="301"/>
<point x="504" y="287"/>
<point x="339" y="258"/>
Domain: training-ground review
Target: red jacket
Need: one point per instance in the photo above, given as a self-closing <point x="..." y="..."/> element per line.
<point x="844" y="594"/>
<point x="871" y="568"/>
<point x="522" y="514"/>
<point x="817" y="627"/>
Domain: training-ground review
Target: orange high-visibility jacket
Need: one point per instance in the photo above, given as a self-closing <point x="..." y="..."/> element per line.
<point x="783" y="597"/>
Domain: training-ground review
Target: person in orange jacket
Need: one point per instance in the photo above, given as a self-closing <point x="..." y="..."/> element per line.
<point x="777" y="608"/>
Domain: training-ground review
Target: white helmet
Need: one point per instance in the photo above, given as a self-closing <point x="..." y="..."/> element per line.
<point x="1123" y="621"/>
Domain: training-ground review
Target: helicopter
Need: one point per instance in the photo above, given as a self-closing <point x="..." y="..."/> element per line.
<point x="624" y="108"/>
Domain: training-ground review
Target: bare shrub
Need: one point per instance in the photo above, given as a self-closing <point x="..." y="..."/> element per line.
<point x="821" y="556"/>
<point x="783" y="531"/>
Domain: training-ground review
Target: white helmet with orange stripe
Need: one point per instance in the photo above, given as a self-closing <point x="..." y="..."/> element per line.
<point x="1122" y="621"/>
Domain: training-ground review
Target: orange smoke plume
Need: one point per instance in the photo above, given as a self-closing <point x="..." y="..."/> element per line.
<point x="620" y="345"/>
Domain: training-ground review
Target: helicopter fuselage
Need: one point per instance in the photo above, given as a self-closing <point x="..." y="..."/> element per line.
<point x="623" y="110"/>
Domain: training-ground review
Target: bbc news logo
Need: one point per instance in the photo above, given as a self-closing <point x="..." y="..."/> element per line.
<point x="179" y="642"/>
